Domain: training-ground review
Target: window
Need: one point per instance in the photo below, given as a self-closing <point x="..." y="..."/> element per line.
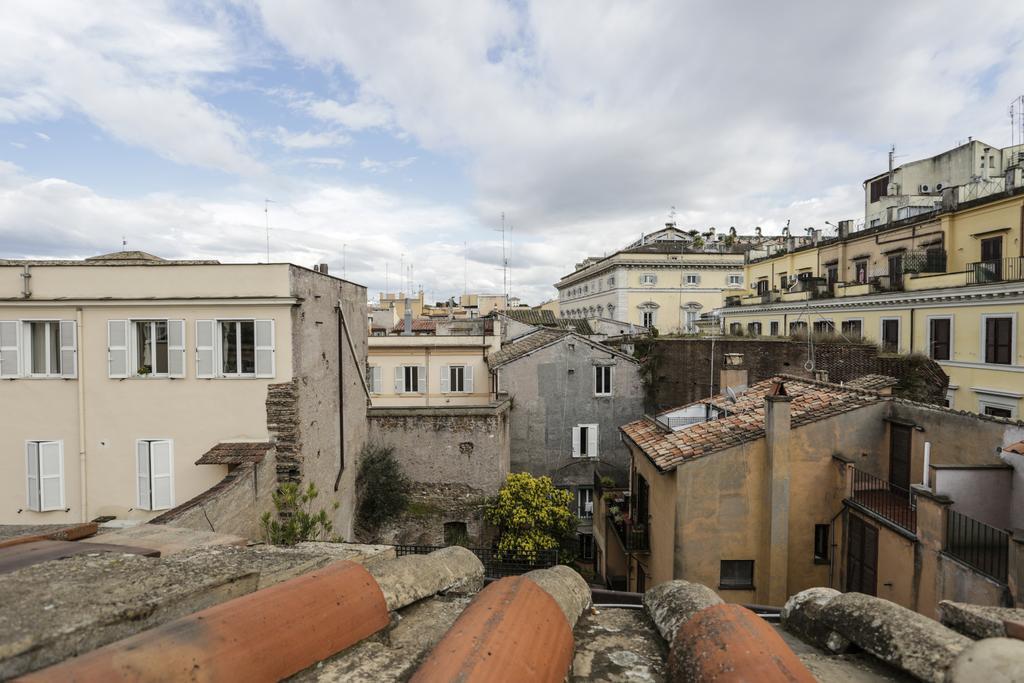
<point x="234" y="348"/>
<point x="736" y="574"/>
<point x="584" y="441"/>
<point x="824" y="327"/>
<point x="763" y="286"/>
<point x="44" y="467"/>
<point x="145" y="348"/>
<point x="38" y="348"/>
<point x="890" y="335"/>
<point x="754" y="329"/>
<point x="878" y="188"/>
<point x="155" y="466"/>
<point x="832" y="273"/>
<point x="860" y="270"/>
<point x="736" y="329"/>
<point x="410" y="379"/>
<point x="773" y="328"/>
<point x="648" y="279"/>
<point x="151" y="347"/>
<point x="799" y="327"/>
<point x="735" y="280"/>
<point x="457" y="379"/>
<point x="585" y="502"/>
<point x="995" y="411"/>
<point x="611" y="311"/>
<point x="692" y="280"/>
<point x="373" y="379"/>
<point x="611" y="282"/>
<point x="586" y="546"/>
<point x="821" y="543"/>
<point x="783" y="281"/>
<point x="603" y="380"/>
<point x="997" y="403"/>
<point x="998" y="339"/>
<point x="647" y="318"/>
<point x="853" y="329"/>
<point x="691" y="321"/>
<point x="939" y="338"/>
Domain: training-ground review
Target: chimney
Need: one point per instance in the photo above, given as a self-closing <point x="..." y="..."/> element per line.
<point x="323" y="268"/>
<point x="733" y="375"/>
<point x="845" y="228"/>
<point x="777" y="422"/>
<point x="408" y="319"/>
<point x="821" y="375"/>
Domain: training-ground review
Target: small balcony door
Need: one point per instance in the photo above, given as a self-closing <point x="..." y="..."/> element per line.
<point x="862" y="557"/>
<point x="992" y="256"/>
<point x="899" y="457"/>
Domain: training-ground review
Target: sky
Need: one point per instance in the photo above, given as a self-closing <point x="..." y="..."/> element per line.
<point x="391" y="137"/>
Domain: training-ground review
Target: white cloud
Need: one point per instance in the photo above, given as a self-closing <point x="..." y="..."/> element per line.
<point x="381" y="167"/>
<point x="19" y="145"/>
<point x="357" y="115"/>
<point x="43" y="136"/>
<point x="310" y="140"/>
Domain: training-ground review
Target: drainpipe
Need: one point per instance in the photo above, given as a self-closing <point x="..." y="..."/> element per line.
<point x="82" y="471"/>
<point x="26" y="289"/>
<point x="341" y="401"/>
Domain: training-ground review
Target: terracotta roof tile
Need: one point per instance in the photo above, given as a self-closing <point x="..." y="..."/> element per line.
<point x="525" y="345"/>
<point x="234" y="453"/>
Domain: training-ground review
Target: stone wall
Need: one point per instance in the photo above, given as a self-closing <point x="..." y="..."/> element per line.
<point x="431" y="507"/>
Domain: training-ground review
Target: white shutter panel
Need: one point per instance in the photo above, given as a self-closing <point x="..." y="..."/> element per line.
<point x="68" y="348"/>
<point x="592" y="441"/>
<point x="446" y="375"/>
<point x="51" y="475"/>
<point x="421" y="379"/>
<point x="467" y="381"/>
<point x="205" y="356"/>
<point x="160" y="463"/>
<point x="175" y="348"/>
<point x="117" y="348"/>
<point x="377" y="380"/>
<point x="264" y="348"/>
<point x="399" y="380"/>
<point x="32" y="472"/>
<point x="575" y="442"/>
<point x="10" y="365"/>
<point x="144" y="483"/>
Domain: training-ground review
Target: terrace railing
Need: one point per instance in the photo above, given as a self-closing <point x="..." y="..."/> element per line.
<point x="997" y="270"/>
<point x="634" y="537"/>
<point x="977" y="544"/>
<point x="885" y="499"/>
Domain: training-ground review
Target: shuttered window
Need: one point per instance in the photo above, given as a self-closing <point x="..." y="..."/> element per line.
<point x="373" y="379"/>
<point x="456" y="379"/>
<point x="155" y="469"/>
<point x="44" y="465"/>
<point x="410" y="379"/>
<point x="235" y="348"/>
<point x="10" y="348"/>
<point x="939" y="338"/>
<point x="999" y="340"/>
<point x="585" y="441"/>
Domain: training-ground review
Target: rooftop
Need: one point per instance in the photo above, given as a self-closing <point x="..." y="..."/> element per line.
<point x="525" y="345"/>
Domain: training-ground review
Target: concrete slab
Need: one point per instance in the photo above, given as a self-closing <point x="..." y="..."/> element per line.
<point x="55" y="610"/>
<point x="12" y="534"/>
<point x="978" y="621"/>
<point x="166" y="539"/>
<point x="15" y="557"/>
<point x="617" y="644"/>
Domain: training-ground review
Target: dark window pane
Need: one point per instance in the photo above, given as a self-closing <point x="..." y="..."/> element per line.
<point x="229" y="347"/>
<point x="940" y="339"/>
<point x="160" y="339"/>
<point x="247" y="346"/>
<point x="737" y="574"/>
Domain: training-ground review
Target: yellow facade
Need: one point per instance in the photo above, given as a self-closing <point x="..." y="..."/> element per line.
<point x="967" y="289"/>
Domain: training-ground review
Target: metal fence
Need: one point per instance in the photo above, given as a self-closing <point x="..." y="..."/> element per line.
<point x="496" y="563"/>
<point x="997" y="270"/>
<point x="885" y="499"/>
<point x="983" y="547"/>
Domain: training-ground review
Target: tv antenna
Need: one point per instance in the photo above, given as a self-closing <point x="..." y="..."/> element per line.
<point x="1016" y="111"/>
<point x="266" y="213"/>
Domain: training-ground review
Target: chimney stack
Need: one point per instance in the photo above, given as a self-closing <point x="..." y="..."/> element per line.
<point x="733" y="374"/>
<point x="323" y="268"/>
<point x="777" y="423"/>
<point x="845" y="227"/>
<point x="408" y="319"/>
<point x="821" y="375"/>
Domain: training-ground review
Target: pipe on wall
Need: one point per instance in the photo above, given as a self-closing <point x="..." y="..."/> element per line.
<point x="82" y="469"/>
<point x="341" y="398"/>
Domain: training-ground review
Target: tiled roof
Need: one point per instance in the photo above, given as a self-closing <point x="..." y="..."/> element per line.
<point x="234" y="453"/>
<point x="1017" y="448"/>
<point x="873" y="382"/>
<point x="529" y="316"/>
<point x="811" y="401"/>
<point x="577" y="325"/>
<point x="418" y="325"/>
<point x="525" y="345"/>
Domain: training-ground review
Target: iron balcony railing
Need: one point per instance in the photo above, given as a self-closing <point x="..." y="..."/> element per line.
<point x="924" y="261"/>
<point x="496" y="563"/>
<point x="885" y="499"/>
<point x="977" y="544"/>
<point x="634" y="537"/>
<point x="997" y="270"/>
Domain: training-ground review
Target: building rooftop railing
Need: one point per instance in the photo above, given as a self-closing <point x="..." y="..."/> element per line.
<point x="996" y="270"/>
<point x="885" y="499"/>
<point x="634" y="537"/>
<point x="977" y="544"/>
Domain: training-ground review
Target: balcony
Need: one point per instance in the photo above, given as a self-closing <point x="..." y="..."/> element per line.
<point x="998" y="270"/>
<point x="885" y="499"/>
<point x="633" y="537"/>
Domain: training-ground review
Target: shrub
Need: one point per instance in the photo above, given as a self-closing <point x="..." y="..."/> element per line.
<point x="531" y="515"/>
<point x="295" y="520"/>
<point x="382" y="488"/>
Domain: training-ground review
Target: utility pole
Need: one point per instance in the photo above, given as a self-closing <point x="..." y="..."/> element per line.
<point x="266" y="213"/>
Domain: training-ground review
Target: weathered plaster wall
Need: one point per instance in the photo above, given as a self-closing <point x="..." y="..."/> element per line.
<point x="659" y="565"/>
<point x="431" y="506"/>
<point x="981" y="493"/>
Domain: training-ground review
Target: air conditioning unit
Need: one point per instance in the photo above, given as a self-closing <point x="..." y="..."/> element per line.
<point x="939" y="187"/>
<point x="924" y="188"/>
<point x="892" y="189"/>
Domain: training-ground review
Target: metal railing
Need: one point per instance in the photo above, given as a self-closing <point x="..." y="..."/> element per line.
<point x="997" y="270"/>
<point x="496" y="563"/>
<point x="885" y="499"/>
<point x="977" y="544"/>
<point x="924" y="261"/>
<point x="634" y="537"/>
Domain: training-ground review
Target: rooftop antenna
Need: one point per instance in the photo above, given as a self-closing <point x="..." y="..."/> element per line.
<point x="465" y="268"/>
<point x="266" y="213"/>
<point x="672" y="215"/>
<point x="124" y="243"/>
<point x="387" y="280"/>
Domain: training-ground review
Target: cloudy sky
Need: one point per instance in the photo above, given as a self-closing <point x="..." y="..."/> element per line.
<point x="398" y="132"/>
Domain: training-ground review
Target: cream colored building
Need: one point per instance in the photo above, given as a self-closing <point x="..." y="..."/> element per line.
<point x="949" y="283"/>
<point x="446" y="367"/>
<point x="665" y="281"/>
<point x="118" y="373"/>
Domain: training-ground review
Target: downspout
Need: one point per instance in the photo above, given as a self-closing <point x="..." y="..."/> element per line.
<point x="341" y="403"/>
<point x="82" y="471"/>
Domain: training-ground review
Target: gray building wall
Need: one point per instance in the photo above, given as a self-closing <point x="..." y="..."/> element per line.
<point x="552" y="390"/>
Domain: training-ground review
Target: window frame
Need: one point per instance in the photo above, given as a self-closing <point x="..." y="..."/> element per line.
<point x="735" y="280"/>
<point x="170" y="450"/>
<point x="582" y="546"/>
<point x="929" y="349"/>
<point x="581" y="511"/>
<point x="821" y="557"/>
<point x="217" y="352"/>
<point x="405" y="379"/>
<point x="67" y="354"/>
<point x="899" y="333"/>
<point x="985" y="317"/>
<point x="62" y="506"/>
<point x="644" y="315"/>
<point x="603" y="376"/>
<point x="133" y="348"/>
<point x="648" y="279"/>
<point x="754" y="328"/>
<point x="581" y="445"/>
<point x="734" y="584"/>
<point x="27" y="350"/>
<point x="773" y="328"/>
<point x="374" y="379"/>
<point x="691" y="279"/>
<point x="860" y="325"/>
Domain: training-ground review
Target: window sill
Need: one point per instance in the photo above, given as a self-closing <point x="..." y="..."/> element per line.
<point x="736" y="588"/>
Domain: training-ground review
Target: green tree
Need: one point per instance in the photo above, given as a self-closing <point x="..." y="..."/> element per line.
<point x="295" y="520"/>
<point x="382" y="488"/>
<point x="531" y="515"/>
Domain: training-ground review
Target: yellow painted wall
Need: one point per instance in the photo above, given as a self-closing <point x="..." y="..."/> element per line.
<point x="434" y="352"/>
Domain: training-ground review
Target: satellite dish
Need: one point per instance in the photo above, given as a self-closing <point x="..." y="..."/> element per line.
<point x="731" y="393"/>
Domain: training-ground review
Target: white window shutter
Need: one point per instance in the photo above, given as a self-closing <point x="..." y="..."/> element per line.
<point x="421" y="379"/>
<point x="696" y="280"/>
<point x="264" y="348"/>
<point x="467" y="381"/>
<point x="400" y="379"/>
<point x="10" y="346"/>
<point x="446" y="371"/>
<point x="117" y="348"/>
<point x="175" y="348"/>
<point x="575" y="442"/>
<point x="144" y="483"/>
<point x="32" y="473"/>
<point x="205" y="352"/>
<point x="162" y="474"/>
<point x="592" y="441"/>
<point x="51" y="475"/>
<point x="68" y="348"/>
<point x="377" y="380"/>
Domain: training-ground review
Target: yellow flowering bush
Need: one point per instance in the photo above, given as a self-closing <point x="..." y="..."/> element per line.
<point x="531" y="515"/>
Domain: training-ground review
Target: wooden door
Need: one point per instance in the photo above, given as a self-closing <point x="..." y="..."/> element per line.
<point x="992" y="255"/>
<point x="899" y="457"/>
<point x="861" y="556"/>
